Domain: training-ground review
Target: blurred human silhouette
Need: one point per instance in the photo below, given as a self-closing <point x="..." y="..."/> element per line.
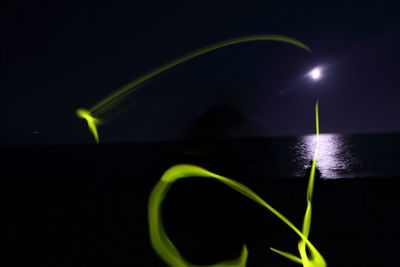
<point x="211" y="144"/>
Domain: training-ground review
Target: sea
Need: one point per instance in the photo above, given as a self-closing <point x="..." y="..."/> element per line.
<point x="339" y="155"/>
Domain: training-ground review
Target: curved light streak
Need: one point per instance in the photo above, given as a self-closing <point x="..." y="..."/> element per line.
<point x="170" y="254"/>
<point x="108" y="103"/>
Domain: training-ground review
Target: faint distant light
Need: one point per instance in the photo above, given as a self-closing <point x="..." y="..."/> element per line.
<point x="315" y="73"/>
<point x="35" y="132"/>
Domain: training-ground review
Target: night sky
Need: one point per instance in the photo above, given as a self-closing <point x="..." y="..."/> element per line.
<point x="58" y="56"/>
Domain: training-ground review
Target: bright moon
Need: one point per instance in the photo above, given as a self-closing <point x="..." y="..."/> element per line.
<point x="315" y="74"/>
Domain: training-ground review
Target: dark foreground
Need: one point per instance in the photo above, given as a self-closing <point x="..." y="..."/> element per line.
<point x="62" y="207"/>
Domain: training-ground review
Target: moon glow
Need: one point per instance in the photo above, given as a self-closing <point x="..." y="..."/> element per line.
<point x="315" y="73"/>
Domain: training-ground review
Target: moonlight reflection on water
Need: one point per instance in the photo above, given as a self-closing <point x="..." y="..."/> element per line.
<point x="334" y="156"/>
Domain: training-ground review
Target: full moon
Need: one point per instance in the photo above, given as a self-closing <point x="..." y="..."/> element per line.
<point x="315" y="73"/>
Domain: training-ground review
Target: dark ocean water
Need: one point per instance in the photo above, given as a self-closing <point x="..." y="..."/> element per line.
<point x="340" y="156"/>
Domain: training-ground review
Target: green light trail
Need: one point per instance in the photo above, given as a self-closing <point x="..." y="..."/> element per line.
<point x="170" y="254"/>
<point x="159" y="239"/>
<point x="91" y="121"/>
<point x="316" y="260"/>
<point x="107" y="104"/>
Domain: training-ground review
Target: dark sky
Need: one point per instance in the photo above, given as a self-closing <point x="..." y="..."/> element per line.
<point x="59" y="55"/>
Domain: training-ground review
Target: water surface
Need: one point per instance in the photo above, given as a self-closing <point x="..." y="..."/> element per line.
<point x="340" y="156"/>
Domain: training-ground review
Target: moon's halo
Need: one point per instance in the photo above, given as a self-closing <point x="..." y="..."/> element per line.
<point x="315" y="73"/>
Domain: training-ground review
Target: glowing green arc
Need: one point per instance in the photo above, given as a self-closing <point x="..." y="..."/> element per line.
<point x="170" y="254"/>
<point x="109" y="102"/>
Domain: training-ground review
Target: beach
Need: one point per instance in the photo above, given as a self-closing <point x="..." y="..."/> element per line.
<point x="87" y="206"/>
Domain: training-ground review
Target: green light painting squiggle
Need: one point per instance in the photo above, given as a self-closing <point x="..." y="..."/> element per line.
<point x="159" y="239"/>
<point x="95" y="114"/>
<point x="170" y="254"/>
<point x="307" y="216"/>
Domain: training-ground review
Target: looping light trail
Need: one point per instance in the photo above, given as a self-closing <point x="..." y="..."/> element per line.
<point x="159" y="239"/>
<point x="170" y="254"/>
<point x="108" y="103"/>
